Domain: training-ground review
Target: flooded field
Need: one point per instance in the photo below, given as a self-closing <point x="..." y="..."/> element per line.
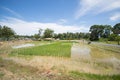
<point x="97" y="56"/>
<point x="78" y="51"/>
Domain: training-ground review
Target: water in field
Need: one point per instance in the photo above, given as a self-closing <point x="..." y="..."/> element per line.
<point x="104" y="58"/>
<point x="23" y="46"/>
<point x="78" y="51"/>
<point x="95" y="51"/>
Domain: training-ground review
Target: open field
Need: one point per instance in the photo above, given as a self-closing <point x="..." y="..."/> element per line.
<point x="59" y="60"/>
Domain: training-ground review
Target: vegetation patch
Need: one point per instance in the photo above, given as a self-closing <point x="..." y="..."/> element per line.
<point x="89" y="76"/>
<point x="60" y="49"/>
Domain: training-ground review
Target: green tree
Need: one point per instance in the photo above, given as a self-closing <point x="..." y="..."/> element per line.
<point x="39" y="32"/>
<point x="117" y="38"/>
<point x="106" y="31"/>
<point x="48" y="33"/>
<point x="60" y="36"/>
<point x="55" y="36"/>
<point x="98" y="31"/>
<point x="36" y="36"/>
<point x="86" y="36"/>
<point x="116" y="28"/>
<point x="72" y="36"/>
<point x="7" y="32"/>
<point x="112" y="37"/>
<point x="94" y="35"/>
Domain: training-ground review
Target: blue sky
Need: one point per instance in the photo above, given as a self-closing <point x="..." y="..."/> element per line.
<point x="27" y="16"/>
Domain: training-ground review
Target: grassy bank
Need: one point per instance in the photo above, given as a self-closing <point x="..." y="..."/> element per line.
<point x="88" y="76"/>
<point x="61" y="49"/>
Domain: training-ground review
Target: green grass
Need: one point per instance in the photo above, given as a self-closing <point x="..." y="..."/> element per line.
<point x="37" y="43"/>
<point x="88" y="76"/>
<point x="105" y="40"/>
<point x="61" y="49"/>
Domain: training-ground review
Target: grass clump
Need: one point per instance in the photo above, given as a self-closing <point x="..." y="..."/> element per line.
<point x="60" y="49"/>
<point x="89" y="76"/>
<point x="1" y="74"/>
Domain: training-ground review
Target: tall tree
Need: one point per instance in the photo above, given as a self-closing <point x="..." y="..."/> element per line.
<point x="60" y="36"/>
<point x="7" y="32"/>
<point x="36" y="36"/>
<point x="107" y="30"/>
<point x="48" y="33"/>
<point x="39" y="32"/>
<point x="94" y="35"/>
<point x="98" y="31"/>
<point x="116" y="28"/>
<point x="118" y="39"/>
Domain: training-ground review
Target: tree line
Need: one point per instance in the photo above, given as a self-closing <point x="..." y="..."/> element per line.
<point x="96" y="32"/>
<point x="49" y="33"/>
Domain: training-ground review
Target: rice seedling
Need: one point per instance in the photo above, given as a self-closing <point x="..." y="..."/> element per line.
<point x="61" y="49"/>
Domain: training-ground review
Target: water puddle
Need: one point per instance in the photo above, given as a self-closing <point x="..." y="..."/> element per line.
<point x="23" y="46"/>
<point x="80" y="52"/>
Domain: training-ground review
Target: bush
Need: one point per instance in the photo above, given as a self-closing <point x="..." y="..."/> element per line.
<point x="112" y="37"/>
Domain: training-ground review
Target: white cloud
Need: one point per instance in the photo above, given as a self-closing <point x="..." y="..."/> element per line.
<point x="12" y="12"/>
<point x="22" y="27"/>
<point x="115" y="17"/>
<point x="96" y="6"/>
<point x="62" y="21"/>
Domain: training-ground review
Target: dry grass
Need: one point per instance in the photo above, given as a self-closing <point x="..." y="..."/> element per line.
<point x="54" y="68"/>
<point x="100" y="51"/>
<point x="6" y="46"/>
<point x="63" y="65"/>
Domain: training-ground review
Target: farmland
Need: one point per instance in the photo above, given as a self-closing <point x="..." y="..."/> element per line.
<point x="60" y="49"/>
<point x="59" y="40"/>
<point x="59" y="60"/>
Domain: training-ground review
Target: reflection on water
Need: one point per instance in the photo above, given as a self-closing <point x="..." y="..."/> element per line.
<point x="94" y="53"/>
<point x="93" y="57"/>
<point x="104" y="52"/>
<point x="80" y="52"/>
<point x="23" y="46"/>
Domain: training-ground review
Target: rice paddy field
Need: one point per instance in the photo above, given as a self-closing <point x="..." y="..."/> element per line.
<point x="59" y="60"/>
<point x="60" y="49"/>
